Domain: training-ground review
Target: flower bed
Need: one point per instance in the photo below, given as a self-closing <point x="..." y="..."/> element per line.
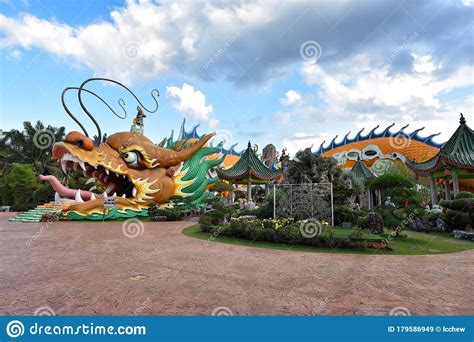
<point x="284" y="231"/>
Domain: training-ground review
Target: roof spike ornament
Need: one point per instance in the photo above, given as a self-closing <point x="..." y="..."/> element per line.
<point x="462" y="120"/>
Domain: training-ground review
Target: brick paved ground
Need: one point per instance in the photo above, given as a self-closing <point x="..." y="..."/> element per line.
<point x="86" y="268"/>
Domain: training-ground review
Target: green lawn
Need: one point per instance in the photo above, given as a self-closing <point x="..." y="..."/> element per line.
<point x="411" y="243"/>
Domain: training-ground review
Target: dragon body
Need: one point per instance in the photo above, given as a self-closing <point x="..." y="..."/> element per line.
<point x="379" y="151"/>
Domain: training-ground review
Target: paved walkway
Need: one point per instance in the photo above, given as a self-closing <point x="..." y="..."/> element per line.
<point x="86" y="268"/>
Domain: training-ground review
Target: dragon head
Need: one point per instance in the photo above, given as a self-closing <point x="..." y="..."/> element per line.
<point x="130" y="167"/>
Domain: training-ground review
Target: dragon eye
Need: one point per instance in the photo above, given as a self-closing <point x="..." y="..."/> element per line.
<point x="130" y="158"/>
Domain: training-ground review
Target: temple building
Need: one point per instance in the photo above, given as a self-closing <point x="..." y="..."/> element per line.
<point x="249" y="170"/>
<point x="363" y="174"/>
<point x="453" y="164"/>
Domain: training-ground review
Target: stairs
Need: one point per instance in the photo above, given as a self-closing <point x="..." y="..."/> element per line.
<point x="34" y="215"/>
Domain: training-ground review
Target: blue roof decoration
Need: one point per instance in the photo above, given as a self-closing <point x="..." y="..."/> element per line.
<point x="184" y="135"/>
<point x="384" y="134"/>
<point x="193" y="134"/>
<point x="231" y="150"/>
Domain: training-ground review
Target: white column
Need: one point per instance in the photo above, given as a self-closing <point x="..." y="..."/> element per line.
<point x="434" y="196"/>
<point x="447" y="192"/>
<point x="249" y="191"/>
<point x="455" y="183"/>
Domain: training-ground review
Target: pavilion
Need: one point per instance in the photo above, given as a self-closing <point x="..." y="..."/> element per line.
<point x="249" y="170"/>
<point x="363" y="174"/>
<point x="454" y="161"/>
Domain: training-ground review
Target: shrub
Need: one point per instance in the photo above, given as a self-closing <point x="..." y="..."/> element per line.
<point x="283" y="231"/>
<point x="399" y="187"/>
<point x="343" y="213"/>
<point x="171" y="214"/>
<point x="216" y="217"/>
<point x="390" y="216"/>
<point x="464" y="194"/>
<point x="362" y="221"/>
<point x="459" y="213"/>
<point x="221" y="186"/>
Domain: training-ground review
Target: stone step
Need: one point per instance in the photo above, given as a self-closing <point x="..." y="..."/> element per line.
<point x="35" y="215"/>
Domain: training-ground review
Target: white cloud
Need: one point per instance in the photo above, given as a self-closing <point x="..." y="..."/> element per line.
<point x="292" y="98"/>
<point x="383" y="95"/>
<point x="142" y="41"/>
<point x="282" y="118"/>
<point x="15" y="54"/>
<point x="147" y="38"/>
<point x="191" y="103"/>
<point x="424" y="64"/>
<point x="302" y="140"/>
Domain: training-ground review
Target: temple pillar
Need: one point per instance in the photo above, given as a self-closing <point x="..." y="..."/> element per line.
<point x="455" y="184"/>
<point x="379" y="197"/>
<point x="434" y="196"/>
<point x="447" y="191"/>
<point x="369" y="198"/>
<point x="249" y="191"/>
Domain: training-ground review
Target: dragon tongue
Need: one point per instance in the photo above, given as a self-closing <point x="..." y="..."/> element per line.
<point x="66" y="192"/>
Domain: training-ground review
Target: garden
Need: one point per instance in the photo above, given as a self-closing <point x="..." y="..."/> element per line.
<point x="403" y="223"/>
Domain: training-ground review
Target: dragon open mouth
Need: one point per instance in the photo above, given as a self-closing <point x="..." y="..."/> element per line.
<point x="115" y="184"/>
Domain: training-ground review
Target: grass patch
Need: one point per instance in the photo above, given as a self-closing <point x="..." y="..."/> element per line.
<point x="414" y="243"/>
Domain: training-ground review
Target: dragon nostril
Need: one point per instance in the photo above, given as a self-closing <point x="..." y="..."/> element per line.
<point x="80" y="140"/>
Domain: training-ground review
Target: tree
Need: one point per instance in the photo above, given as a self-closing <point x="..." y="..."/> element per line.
<point x="221" y="186"/>
<point x="307" y="167"/>
<point x="18" y="188"/>
<point x="398" y="187"/>
<point x="32" y="145"/>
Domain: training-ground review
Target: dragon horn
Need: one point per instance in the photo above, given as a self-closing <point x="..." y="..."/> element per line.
<point x="177" y="157"/>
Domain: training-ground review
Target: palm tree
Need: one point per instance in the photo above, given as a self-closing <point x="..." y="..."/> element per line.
<point x="32" y="146"/>
<point x="307" y="167"/>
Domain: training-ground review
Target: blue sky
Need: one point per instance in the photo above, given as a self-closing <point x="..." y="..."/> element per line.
<point x="291" y="74"/>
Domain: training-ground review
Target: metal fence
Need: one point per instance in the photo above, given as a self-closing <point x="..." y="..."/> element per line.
<point x="303" y="201"/>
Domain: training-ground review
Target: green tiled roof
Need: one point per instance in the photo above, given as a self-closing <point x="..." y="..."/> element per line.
<point x="249" y="166"/>
<point x="458" y="152"/>
<point x="362" y="172"/>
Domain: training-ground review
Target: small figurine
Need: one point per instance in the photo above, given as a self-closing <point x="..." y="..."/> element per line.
<point x="137" y="124"/>
<point x="389" y="202"/>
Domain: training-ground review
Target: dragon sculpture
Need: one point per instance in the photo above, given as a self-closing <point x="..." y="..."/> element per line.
<point x="130" y="168"/>
<point x="379" y="151"/>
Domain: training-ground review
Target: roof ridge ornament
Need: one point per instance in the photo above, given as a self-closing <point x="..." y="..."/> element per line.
<point x="462" y="120"/>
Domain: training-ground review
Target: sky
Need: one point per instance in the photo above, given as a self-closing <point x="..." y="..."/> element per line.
<point x="293" y="74"/>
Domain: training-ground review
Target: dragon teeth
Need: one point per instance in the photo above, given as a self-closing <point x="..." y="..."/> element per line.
<point x="123" y="196"/>
<point x="78" y="197"/>
<point x="90" y="180"/>
<point x="107" y="171"/>
<point x="63" y="166"/>
<point x="134" y="192"/>
<point x="92" y="197"/>
<point x="83" y="166"/>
